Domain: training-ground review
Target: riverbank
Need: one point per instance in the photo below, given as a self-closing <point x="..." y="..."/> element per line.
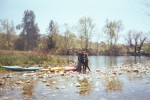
<point x="124" y="82"/>
<point x="29" y="58"/>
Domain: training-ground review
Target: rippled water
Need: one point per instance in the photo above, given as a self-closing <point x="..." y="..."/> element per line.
<point x="74" y="86"/>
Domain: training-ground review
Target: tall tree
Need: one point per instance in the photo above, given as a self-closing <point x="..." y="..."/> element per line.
<point x="52" y="35"/>
<point x="112" y="29"/>
<point x="86" y="30"/>
<point x="30" y="30"/>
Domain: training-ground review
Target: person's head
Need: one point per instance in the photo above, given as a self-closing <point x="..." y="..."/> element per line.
<point x="81" y="51"/>
<point x="85" y="54"/>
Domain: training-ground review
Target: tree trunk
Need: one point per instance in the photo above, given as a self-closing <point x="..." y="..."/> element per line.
<point x="86" y="44"/>
<point x="135" y="48"/>
<point x="140" y="46"/>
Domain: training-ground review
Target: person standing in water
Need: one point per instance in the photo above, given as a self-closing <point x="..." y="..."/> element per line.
<point x="85" y="64"/>
<point x="80" y="61"/>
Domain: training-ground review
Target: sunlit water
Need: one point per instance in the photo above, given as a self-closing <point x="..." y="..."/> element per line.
<point x="102" y="62"/>
<point x="74" y="86"/>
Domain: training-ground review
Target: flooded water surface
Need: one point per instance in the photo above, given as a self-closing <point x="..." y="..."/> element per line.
<point x="111" y="78"/>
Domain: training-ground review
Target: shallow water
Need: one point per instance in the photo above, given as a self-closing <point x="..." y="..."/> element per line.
<point x="71" y="86"/>
<point x="102" y="62"/>
<point x="103" y="84"/>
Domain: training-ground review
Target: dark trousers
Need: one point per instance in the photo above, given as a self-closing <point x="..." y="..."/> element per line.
<point x="79" y="67"/>
<point x="85" y="66"/>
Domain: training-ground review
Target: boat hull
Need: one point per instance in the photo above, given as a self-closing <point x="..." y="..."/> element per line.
<point x="55" y="69"/>
<point x="18" y="68"/>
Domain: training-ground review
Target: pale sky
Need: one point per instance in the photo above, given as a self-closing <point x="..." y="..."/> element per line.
<point x="131" y="12"/>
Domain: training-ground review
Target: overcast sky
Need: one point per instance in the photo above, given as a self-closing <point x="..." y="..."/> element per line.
<point x="131" y="12"/>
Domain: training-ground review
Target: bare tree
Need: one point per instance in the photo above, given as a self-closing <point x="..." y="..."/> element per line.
<point x="7" y="33"/>
<point x="86" y="30"/>
<point x="135" y="41"/>
<point x="112" y="28"/>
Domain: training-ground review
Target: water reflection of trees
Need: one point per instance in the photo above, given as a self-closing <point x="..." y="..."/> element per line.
<point x="28" y="89"/>
<point x="86" y="87"/>
<point x="134" y="76"/>
<point x="110" y="61"/>
<point x="113" y="83"/>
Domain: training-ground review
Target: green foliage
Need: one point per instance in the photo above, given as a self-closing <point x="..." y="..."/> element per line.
<point x="7" y="34"/>
<point x="66" y="41"/>
<point x="42" y="42"/>
<point x="30" y="31"/>
<point x="52" y="35"/>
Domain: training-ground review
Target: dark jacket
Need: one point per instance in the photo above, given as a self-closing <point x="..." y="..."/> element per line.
<point x="80" y="58"/>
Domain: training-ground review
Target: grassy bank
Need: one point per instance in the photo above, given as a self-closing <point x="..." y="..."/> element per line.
<point x="23" y="58"/>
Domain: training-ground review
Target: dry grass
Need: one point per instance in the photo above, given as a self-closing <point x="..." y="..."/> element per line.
<point x="29" y="58"/>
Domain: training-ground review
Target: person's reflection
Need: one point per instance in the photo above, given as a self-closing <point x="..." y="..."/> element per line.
<point x="113" y="84"/>
<point x="86" y="87"/>
<point x="28" y="89"/>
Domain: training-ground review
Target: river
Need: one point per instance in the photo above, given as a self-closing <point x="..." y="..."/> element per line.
<point x="111" y="78"/>
<point x="102" y="62"/>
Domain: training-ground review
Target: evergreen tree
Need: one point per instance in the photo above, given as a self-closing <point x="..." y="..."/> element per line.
<point x="30" y="31"/>
<point x="52" y="35"/>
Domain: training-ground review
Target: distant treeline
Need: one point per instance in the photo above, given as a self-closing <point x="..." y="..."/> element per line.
<point x="68" y="41"/>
